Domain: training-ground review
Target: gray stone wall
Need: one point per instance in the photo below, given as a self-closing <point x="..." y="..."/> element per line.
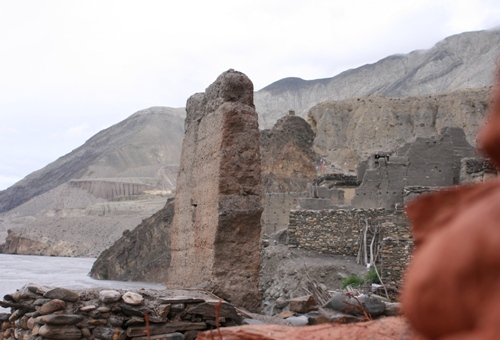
<point x="340" y="232"/>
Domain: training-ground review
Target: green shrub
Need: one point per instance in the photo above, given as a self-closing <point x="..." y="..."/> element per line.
<point x="372" y="276"/>
<point x="353" y="281"/>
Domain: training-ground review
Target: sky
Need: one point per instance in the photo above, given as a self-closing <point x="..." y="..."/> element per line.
<point x="70" y="68"/>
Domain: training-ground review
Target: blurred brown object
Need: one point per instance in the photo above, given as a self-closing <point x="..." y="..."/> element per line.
<point x="387" y="329"/>
<point x="452" y="287"/>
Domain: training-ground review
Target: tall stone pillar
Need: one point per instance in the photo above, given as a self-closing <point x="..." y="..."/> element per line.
<point x="215" y="238"/>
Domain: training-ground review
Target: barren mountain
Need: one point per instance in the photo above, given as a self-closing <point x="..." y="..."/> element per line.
<point x="81" y="203"/>
<point x="466" y="60"/>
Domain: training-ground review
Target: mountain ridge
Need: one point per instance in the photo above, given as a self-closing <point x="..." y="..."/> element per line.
<point x="99" y="148"/>
<point x="466" y="60"/>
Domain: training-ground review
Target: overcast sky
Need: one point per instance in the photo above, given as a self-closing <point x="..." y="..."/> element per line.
<point x="69" y="69"/>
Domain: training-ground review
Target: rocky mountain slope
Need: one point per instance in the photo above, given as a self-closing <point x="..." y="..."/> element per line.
<point x="350" y="130"/>
<point x="466" y="60"/>
<point x="81" y="203"/>
<point x="124" y="173"/>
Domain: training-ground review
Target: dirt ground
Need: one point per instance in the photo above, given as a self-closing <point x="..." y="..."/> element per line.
<point x="285" y="271"/>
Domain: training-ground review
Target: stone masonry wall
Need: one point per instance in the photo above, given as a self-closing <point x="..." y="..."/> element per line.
<point x="39" y="312"/>
<point x="340" y="232"/>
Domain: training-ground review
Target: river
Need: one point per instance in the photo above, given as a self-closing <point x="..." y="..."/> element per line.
<point x="69" y="272"/>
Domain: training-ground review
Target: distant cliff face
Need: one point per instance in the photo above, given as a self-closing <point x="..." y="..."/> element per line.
<point x="287" y="155"/>
<point x="350" y="130"/>
<point x="466" y="60"/>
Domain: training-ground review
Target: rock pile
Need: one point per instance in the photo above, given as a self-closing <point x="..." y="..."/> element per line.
<point x="40" y="312"/>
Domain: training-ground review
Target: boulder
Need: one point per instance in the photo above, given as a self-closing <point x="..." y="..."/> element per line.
<point x="59" y="319"/>
<point x="132" y="298"/>
<point x="60" y="332"/>
<point x="109" y="296"/>
<point x="300" y="320"/>
<point x="346" y="303"/>
<point x="52" y="306"/>
<point x="392" y="309"/>
<point x="62" y="294"/>
<point x="303" y="304"/>
<point x="394" y="328"/>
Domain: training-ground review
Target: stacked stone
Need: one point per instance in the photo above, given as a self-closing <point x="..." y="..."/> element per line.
<point x="396" y="253"/>
<point x="339" y="232"/>
<point x="39" y="313"/>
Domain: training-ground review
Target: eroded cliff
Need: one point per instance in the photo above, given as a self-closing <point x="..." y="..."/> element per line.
<point x="350" y="130"/>
<point x="287" y="156"/>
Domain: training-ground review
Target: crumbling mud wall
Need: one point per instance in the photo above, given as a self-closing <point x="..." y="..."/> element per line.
<point x="277" y="207"/>
<point x="426" y="162"/>
<point x="218" y="206"/>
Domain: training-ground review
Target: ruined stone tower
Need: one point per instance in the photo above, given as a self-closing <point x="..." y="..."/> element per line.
<point x="216" y="227"/>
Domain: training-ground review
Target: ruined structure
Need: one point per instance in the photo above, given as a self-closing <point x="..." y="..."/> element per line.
<point x="431" y="162"/>
<point x="287" y="168"/>
<point x="385" y="178"/>
<point x="333" y="215"/>
<point x="216" y="227"/>
<point x="342" y="232"/>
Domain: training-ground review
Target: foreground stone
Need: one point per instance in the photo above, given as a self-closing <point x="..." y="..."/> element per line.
<point x="396" y="328"/>
<point x="216" y="226"/>
<point x="349" y="304"/>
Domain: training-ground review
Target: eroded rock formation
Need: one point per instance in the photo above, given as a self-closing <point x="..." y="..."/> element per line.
<point x="216" y="228"/>
<point x="287" y="156"/>
<point x="349" y="131"/>
<point x="142" y="254"/>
